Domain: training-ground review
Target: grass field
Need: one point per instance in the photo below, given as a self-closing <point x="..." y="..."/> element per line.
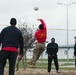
<point x="42" y="64"/>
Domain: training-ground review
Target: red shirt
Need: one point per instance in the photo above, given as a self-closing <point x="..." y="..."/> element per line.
<point x="41" y="35"/>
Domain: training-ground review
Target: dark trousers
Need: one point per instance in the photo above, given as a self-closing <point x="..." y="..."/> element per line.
<point x="55" y="62"/>
<point x="11" y="56"/>
<point x="75" y="61"/>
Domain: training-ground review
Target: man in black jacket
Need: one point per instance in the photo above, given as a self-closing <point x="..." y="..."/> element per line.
<point x="11" y="39"/>
<point x="52" y="49"/>
<point x="75" y="51"/>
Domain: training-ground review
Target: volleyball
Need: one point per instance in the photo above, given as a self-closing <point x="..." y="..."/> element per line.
<point x="36" y="8"/>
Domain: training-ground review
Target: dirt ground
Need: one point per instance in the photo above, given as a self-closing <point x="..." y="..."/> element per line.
<point x="40" y="72"/>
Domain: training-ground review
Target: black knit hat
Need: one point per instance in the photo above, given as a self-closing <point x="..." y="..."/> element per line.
<point x="13" y="21"/>
<point x="41" y="27"/>
<point x="53" y="39"/>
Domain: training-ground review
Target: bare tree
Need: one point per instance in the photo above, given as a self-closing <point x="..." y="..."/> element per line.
<point x="29" y="39"/>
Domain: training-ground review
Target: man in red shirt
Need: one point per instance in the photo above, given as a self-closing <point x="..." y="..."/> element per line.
<point x="40" y="36"/>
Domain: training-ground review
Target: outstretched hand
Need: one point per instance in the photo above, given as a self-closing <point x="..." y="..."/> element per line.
<point x="49" y="55"/>
<point x="73" y="56"/>
<point x="38" y="19"/>
<point x="19" y="56"/>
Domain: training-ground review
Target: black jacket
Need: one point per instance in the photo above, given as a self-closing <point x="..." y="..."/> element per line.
<point x="52" y="48"/>
<point x="11" y="36"/>
<point x="75" y="49"/>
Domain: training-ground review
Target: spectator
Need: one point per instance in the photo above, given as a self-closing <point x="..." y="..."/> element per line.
<point x="75" y="51"/>
<point x="52" y="49"/>
<point x="11" y="39"/>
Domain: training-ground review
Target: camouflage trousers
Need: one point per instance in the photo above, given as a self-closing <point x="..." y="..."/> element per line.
<point x="38" y="50"/>
<point x="18" y="61"/>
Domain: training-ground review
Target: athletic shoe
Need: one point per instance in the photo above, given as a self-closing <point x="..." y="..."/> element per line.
<point x="58" y="72"/>
<point x="33" y="66"/>
<point x="48" y="73"/>
<point x="30" y="63"/>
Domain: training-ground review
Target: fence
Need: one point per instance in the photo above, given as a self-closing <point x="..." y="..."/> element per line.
<point x="60" y="36"/>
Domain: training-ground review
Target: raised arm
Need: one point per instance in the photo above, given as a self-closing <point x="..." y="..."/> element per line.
<point x="42" y="22"/>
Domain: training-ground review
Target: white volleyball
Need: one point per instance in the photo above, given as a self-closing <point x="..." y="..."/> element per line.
<point x="36" y="8"/>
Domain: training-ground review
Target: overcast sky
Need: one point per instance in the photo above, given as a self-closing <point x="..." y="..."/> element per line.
<point x="54" y="14"/>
